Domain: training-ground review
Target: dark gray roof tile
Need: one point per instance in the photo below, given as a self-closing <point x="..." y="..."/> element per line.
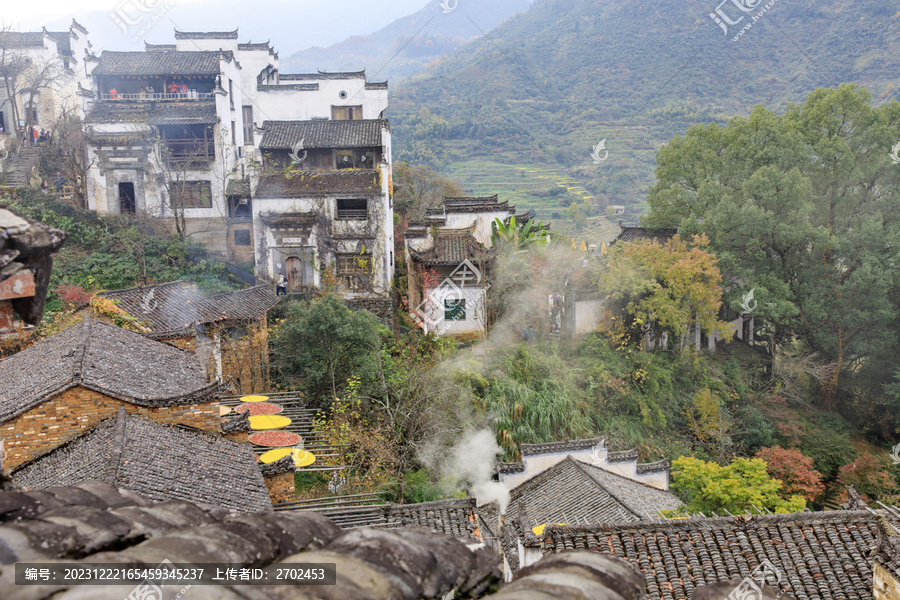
<point x="176" y="306"/>
<point x="284" y="135"/>
<point x="820" y="556"/>
<point x="117" y="362"/>
<point x="157" y="461"/>
<point x="161" y="64"/>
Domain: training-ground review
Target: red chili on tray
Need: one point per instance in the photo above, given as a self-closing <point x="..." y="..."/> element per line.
<point x="260" y="408"/>
<point x="276" y="439"/>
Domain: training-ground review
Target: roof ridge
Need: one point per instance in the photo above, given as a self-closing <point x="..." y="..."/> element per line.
<point x="629" y="479"/>
<point x="141" y="287"/>
<point x="118" y="446"/>
<point x="580" y="466"/>
<point x="87" y="326"/>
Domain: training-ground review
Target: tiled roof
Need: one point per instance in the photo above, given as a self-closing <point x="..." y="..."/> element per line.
<point x="198" y="112"/>
<point x="622" y="456"/>
<point x="116" y="362"/>
<point x="636" y="234"/>
<point x="176" y="306"/>
<point x="206" y="35"/>
<point x="161" y="63"/>
<point x="323" y="75"/>
<point x="63" y="42"/>
<point x="566" y="446"/>
<point x="377" y="85"/>
<point x="251" y="46"/>
<point x="451" y="247"/>
<point x="242" y="305"/>
<point x="148" y="47"/>
<point x="309" y="184"/>
<point x="821" y="556"/>
<point x="474" y="204"/>
<point x="159" y="462"/>
<point x="295" y="221"/>
<point x="291" y="87"/>
<point x="22" y="39"/>
<point x="98" y="523"/>
<point x="284" y="135"/>
<point x="458" y="518"/>
<point x="574" y="492"/>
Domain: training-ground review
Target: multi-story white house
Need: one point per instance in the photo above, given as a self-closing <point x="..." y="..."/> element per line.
<point x="48" y="74"/>
<point x="288" y="172"/>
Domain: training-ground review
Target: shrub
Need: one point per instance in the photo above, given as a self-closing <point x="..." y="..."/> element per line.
<point x="794" y="470"/>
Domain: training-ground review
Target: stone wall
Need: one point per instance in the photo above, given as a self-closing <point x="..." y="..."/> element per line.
<point x="886" y="585"/>
<point x="73" y="412"/>
<point x="281" y="487"/>
<point x="378" y="307"/>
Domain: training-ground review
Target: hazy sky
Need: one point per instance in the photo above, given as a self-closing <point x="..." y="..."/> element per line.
<point x="296" y="24"/>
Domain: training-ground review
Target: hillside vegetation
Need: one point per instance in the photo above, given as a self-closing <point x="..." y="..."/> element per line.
<point x="408" y="45"/>
<point x="549" y="84"/>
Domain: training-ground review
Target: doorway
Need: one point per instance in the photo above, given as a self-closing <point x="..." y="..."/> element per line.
<point x="127" y="204"/>
<point x="299" y="273"/>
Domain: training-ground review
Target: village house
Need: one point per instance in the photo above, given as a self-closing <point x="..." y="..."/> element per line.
<point x="328" y="207"/>
<point x="208" y="135"/>
<point x="158" y="461"/>
<point x="26" y="249"/>
<point x="227" y="331"/>
<point x="67" y="384"/>
<point x="577" y="482"/>
<point x="49" y="73"/>
<point x="448" y="256"/>
<point x="45" y="82"/>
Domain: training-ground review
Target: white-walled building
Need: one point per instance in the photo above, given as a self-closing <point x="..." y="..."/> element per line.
<point x="447" y="257"/>
<point x="58" y="62"/>
<point x="289" y="172"/>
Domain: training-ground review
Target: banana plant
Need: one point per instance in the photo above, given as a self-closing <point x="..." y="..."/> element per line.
<point x="529" y="234"/>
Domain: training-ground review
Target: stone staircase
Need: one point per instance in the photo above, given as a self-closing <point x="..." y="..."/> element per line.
<point x="17" y="169"/>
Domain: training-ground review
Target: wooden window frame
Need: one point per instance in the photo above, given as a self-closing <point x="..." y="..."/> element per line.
<point x="196" y="189"/>
<point x="351" y="214"/>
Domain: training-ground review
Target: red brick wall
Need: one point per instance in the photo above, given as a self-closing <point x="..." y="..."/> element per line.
<point x="281" y="487"/>
<point x="68" y="415"/>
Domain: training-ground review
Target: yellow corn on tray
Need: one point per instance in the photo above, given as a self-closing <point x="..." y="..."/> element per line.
<point x="259" y="422"/>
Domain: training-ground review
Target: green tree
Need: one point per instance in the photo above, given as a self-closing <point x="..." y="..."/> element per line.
<point x="319" y="347"/>
<point x="668" y="288"/>
<point x="742" y="486"/>
<point x="801" y="208"/>
<point x="420" y="187"/>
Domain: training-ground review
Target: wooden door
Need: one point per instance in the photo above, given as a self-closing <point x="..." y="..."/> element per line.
<point x="294" y="273"/>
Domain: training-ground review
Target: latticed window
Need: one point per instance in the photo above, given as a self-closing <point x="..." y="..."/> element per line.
<point x="354" y="264"/>
<point x="354" y="270"/>
<point x="191" y="194"/>
<point x="455" y="310"/>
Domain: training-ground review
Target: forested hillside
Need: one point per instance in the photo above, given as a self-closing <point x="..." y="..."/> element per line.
<point x="396" y="51"/>
<point x="520" y="111"/>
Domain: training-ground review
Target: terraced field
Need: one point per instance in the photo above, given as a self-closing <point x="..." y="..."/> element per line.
<point x="528" y="187"/>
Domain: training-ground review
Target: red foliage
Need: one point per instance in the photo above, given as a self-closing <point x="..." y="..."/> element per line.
<point x="72" y="295"/>
<point x="796" y="472"/>
<point x="869" y="476"/>
<point x="787" y="421"/>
